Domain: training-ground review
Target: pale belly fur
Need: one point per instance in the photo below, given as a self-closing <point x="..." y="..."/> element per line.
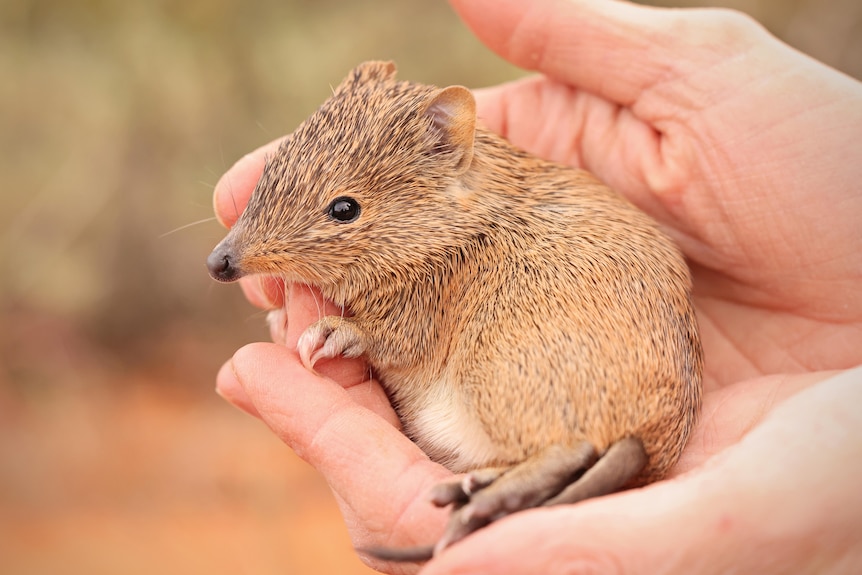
<point x="446" y="430"/>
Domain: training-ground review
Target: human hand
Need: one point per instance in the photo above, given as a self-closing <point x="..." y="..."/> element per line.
<point x="702" y="135"/>
<point x="745" y="150"/>
<point x="780" y="494"/>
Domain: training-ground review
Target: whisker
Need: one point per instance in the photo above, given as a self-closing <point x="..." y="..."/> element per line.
<point x="286" y="295"/>
<point x="233" y="200"/>
<point x="211" y="171"/>
<point x="257" y="315"/>
<point x="316" y="303"/>
<point x="229" y="184"/>
<point x="185" y="226"/>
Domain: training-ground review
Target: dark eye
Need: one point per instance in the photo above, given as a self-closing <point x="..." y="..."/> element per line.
<point x="344" y="209"/>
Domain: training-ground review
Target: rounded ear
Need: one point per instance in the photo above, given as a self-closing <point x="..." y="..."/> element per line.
<point x="453" y="116"/>
<point x="371" y="71"/>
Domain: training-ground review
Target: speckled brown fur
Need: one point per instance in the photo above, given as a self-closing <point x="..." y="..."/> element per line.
<point x="551" y="309"/>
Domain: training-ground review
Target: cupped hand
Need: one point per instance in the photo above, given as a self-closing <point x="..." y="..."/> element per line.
<point x="775" y="502"/>
<point x="769" y="489"/>
<point x="745" y="151"/>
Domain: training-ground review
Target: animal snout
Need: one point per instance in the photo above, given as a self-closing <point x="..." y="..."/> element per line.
<point x="222" y="265"/>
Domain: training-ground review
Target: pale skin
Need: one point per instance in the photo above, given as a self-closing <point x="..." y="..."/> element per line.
<point x="747" y="153"/>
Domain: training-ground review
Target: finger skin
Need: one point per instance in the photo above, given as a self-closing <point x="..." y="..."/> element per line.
<point x="616" y="50"/>
<point x="231" y="390"/>
<point x="265" y="292"/>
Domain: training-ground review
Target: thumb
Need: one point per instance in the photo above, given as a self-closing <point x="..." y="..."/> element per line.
<point x="616" y="50"/>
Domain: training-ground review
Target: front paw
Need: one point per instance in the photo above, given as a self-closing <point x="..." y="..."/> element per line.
<point x="330" y="337"/>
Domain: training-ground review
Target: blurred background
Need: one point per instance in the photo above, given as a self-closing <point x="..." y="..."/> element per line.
<point x="116" y="120"/>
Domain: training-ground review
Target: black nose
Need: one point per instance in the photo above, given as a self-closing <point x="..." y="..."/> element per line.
<point x="222" y="265"/>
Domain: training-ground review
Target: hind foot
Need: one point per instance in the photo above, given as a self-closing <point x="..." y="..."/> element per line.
<point x="490" y="494"/>
<point x="553" y="476"/>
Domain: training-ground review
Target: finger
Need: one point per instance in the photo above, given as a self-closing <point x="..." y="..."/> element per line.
<point x="265" y="292"/>
<point x="566" y="125"/>
<point x="229" y="388"/>
<point x="614" y="49"/>
<point x="577" y="128"/>
<point x="234" y="188"/>
<point x="350" y="436"/>
<point x="306" y="305"/>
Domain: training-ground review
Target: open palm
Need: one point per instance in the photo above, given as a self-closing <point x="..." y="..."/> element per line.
<point x="689" y="115"/>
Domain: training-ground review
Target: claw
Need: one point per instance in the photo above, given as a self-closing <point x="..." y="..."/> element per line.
<point x="330" y="337"/>
<point x="309" y="345"/>
<point x="400" y="555"/>
<point x="451" y="493"/>
<point x="460" y="526"/>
